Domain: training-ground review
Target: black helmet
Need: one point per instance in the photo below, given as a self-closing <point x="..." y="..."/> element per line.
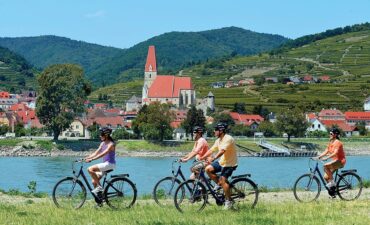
<point x="221" y="126"/>
<point x="198" y="129"/>
<point x="105" y="131"/>
<point x="335" y="131"/>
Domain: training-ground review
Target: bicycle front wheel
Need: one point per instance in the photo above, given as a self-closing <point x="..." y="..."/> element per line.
<point x="69" y="193"/>
<point x="307" y="188"/>
<point x="164" y="190"/>
<point x="349" y="186"/>
<point x="244" y="193"/>
<point x="190" y="196"/>
<point x="120" y="193"/>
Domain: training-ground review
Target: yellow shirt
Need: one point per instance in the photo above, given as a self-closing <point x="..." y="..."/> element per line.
<point x="227" y="143"/>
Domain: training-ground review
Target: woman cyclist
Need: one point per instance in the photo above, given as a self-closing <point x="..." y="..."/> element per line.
<point x="107" y="151"/>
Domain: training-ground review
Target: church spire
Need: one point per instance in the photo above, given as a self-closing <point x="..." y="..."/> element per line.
<point x="151" y="62"/>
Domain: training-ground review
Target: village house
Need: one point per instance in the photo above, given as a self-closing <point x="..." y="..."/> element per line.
<point x="324" y="78"/>
<point x="77" y="129"/>
<point x="356" y="117"/>
<point x="206" y="103"/>
<point x="248" y="81"/>
<point x="331" y="114"/>
<point x="133" y="104"/>
<point x="249" y="120"/>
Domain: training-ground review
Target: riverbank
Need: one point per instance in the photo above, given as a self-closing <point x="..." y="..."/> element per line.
<point x="141" y="148"/>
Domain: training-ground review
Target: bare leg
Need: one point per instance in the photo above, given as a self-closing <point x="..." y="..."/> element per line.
<point x="211" y="173"/>
<point x="92" y="171"/>
<point x="226" y="187"/>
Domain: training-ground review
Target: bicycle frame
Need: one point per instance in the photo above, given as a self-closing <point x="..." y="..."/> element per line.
<point x="317" y="170"/>
<point x="84" y="178"/>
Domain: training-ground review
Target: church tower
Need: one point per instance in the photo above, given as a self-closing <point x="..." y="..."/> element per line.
<point x="150" y="70"/>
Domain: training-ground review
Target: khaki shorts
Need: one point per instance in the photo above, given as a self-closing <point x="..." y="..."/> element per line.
<point x="333" y="166"/>
<point x="197" y="166"/>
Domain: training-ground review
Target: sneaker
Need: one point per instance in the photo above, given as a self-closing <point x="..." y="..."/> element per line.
<point x="228" y="205"/>
<point x="331" y="184"/>
<point x="97" y="190"/>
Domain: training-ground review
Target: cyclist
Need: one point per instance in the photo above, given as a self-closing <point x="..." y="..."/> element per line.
<point x="336" y="152"/>
<point x="228" y="162"/>
<point x="107" y="151"/>
<point x="200" y="148"/>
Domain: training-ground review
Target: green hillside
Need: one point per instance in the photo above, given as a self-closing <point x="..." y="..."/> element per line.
<point x="43" y="51"/>
<point x="175" y="50"/>
<point x="15" y="72"/>
<point x="345" y="58"/>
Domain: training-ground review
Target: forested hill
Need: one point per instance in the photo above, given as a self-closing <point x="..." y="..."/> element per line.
<point x="43" y="51"/>
<point x="15" y="72"/>
<point x="105" y="65"/>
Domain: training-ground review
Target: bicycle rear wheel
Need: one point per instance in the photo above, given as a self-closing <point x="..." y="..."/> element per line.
<point x="164" y="190"/>
<point x="307" y="188"/>
<point x="191" y="196"/>
<point x="69" y="193"/>
<point x="120" y="193"/>
<point x="349" y="186"/>
<point x="244" y="193"/>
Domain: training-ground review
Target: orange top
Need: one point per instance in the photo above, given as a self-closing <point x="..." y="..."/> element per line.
<point x="337" y="145"/>
<point x="200" y="147"/>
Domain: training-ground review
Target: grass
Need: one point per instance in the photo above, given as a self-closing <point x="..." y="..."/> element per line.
<point x="323" y="212"/>
<point x="151" y="146"/>
<point x="10" y="142"/>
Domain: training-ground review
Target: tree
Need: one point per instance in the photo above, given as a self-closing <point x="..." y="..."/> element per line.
<point x="239" y="107"/>
<point x="154" y="122"/>
<point x="361" y="126"/>
<point x="194" y="118"/>
<point x="240" y="130"/>
<point x="120" y="133"/>
<point x="292" y="122"/>
<point x="260" y="110"/>
<point x="94" y="131"/>
<point x="4" y="129"/>
<point x="62" y="93"/>
<point x="267" y="128"/>
<point x="224" y="118"/>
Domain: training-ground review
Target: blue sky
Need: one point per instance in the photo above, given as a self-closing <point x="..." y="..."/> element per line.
<point x="123" y="23"/>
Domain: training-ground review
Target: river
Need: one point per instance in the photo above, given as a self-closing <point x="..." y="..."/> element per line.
<point x="17" y="172"/>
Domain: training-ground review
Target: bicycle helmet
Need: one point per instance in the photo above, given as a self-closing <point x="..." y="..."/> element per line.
<point x="335" y="131"/>
<point x="198" y="129"/>
<point x="105" y="131"/>
<point x="221" y="127"/>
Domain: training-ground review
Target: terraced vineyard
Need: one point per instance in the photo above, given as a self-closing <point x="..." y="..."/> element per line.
<point x="344" y="58"/>
<point x="9" y="78"/>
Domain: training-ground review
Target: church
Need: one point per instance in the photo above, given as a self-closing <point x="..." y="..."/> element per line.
<point x="175" y="90"/>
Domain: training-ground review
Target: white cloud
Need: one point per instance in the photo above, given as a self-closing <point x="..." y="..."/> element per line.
<point x="96" y="14"/>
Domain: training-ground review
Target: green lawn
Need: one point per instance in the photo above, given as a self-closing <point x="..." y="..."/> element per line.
<point x="323" y="212"/>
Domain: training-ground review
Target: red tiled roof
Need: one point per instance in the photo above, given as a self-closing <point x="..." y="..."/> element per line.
<point x="175" y="124"/>
<point x="106" y="121"/>
<point x="246" y="119"/>
<point x="357" y="115"/>
<point x="307" y="78"/>
<point x="151" y="63"/>
<point x="311" y="116"/>
<point x="340" y="123"/>
<point x="325" y="78"/>
<point x="19" y="107"/>
<point x="330" y="112"/>
<point x="169" y="86"/>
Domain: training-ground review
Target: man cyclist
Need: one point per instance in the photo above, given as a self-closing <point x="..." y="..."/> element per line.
<point x="106" y="150"/>
<point x="336" y="152"/>
<point x="200" y="148"/>
<point x="225" y="145"/>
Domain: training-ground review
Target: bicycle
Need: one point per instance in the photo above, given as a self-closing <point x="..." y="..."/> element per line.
<point x="244" y="193"/>
<point x="70" y="192"/>
<point x="307" y="187"/>
<point x="164" y="189"/>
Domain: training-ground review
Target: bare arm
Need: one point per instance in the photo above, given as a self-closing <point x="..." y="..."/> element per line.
<point x="94" y="153"/>
<point x="99" y="155"/>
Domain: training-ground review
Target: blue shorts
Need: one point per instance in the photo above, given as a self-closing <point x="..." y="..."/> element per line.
<point x="225" y="171"/>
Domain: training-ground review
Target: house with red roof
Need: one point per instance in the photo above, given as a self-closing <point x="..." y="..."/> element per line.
<point x="324" y="78"/>
<point x="249" y="120"/>
<point x="178" y="91"/>
<point x="356" y="117"/>
<point x="27" y="115"/>
<point x="307" y="79"/>
<point x="349" y="130"/>
<point x="331" y="114"/>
